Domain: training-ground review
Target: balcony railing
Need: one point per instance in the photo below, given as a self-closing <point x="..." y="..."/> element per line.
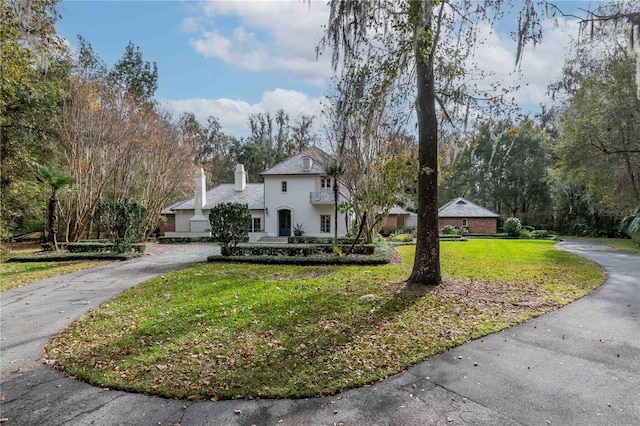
<point x="322" y="197"/>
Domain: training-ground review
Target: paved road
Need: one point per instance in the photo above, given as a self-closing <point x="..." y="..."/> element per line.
<point x="576" y="366"/>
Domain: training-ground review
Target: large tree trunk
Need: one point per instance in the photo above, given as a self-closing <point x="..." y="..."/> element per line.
<point x="426" y="266"/>
<point x="335" y="211"/>
<point x="53" y="222"/>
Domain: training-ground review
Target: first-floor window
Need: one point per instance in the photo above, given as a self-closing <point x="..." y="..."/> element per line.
<point x="464" y="222"/>
<point x="257" y="226"/>
<point x="325" y="223"/>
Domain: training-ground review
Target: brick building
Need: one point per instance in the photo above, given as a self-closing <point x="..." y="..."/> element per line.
<point x="463" y="213"/>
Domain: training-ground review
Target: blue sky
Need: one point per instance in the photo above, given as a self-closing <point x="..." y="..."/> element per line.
<point x="232" y="58"/>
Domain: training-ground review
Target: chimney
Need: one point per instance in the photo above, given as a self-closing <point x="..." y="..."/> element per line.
<point x="200" y="198"/>
<point x="241" y="178"/>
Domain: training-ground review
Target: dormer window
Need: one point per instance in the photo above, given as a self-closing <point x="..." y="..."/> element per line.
<point x="307" y="162"/>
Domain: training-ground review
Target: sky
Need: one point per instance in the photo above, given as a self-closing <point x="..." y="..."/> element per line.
<point x="233" y="58"/>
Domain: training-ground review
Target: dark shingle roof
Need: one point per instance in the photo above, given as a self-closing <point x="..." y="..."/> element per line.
<point x="459" y="207"/>
<point x="253" y="196"/>
<point x="399" y="211"/>
<point x="169" y="209"/>
<point x="293" y="165"/>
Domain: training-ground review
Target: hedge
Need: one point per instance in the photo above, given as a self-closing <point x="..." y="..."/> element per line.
<point x="298" y="250"/>
<point x="178" y="240"/>
<point x="318" y="240"/>
<point x="91" y="246"/>
<point x="381" y="256"/>
<point x="49" y="246"/>
<point x="65" y="257"/>
<point x="99" y="247"/>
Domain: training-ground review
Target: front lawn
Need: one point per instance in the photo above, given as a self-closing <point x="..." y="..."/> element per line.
<point x="18" y="274"/>
<point x="623" y="244"/>
<point x="243" y="331"/>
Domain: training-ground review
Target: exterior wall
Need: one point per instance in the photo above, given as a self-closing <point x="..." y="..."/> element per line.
<point x="182" y="220"/>
<point x="411" y="221"/>
<point x="169" y="225"/>
<point x="476" y="225"/>
<point x="390" y="225"/>
<point x="182" y="217"/>
<point x="395" y="222"/>
<point x="297" y="200"/>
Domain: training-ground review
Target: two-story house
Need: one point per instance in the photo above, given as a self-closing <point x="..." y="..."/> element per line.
<point x="295" y="191"/>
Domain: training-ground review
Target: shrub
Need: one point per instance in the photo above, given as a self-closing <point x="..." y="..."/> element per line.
<point x="449" y="230"/>
<point x="305" y="255"/>
<point x="525" y="234"/>
<point x="579" y="230"/>
<point x="298" y="230"/>
<point x="320" y="240"/>
<point x="298" y="250"/>
<point x="181" y="240"/>
<point x="99" y="247"/>
<point x="230" y="224"/>
<point x="48" y="246"/>
<point x="631" y="225"/>
<point x="401" y="238"/>
<point x="512" y="226"/>
<point x="64" y="257"/>
<point x="123" y="222"/>
<point x="540" y="234"/>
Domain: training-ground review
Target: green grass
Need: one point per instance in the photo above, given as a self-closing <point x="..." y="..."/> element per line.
<point x="14" y="275"/>
<point x="623" y="244"/>
<point x="244" y="331"/>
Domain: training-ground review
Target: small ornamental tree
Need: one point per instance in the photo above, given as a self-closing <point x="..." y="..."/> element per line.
<point x="230" y="224"/>
<point x="512" y="226"/>
<point x="631" y="226"/>
<point x="123" y="223"/>
<point x="56" y="181"/>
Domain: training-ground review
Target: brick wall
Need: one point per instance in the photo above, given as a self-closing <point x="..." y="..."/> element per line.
<point x="169" y="225"/>
<point x="390" y="225"/>
<point x="482" y="225"/>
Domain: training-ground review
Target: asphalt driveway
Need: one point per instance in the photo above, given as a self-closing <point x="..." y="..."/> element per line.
<point x="576" y="366"/>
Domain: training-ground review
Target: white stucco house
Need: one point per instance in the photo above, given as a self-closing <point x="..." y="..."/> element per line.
<point x="294" y="192"/>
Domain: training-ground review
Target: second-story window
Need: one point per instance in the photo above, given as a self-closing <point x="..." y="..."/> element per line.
<point x="284" y="186"/>
<point x="325" y="183"/>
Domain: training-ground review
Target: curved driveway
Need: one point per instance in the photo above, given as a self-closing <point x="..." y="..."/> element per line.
<point x="576" y="366"/>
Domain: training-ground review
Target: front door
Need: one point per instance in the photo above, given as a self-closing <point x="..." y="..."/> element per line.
<point x="284" y="223"/>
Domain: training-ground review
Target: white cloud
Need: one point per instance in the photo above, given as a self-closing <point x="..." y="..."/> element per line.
<point x="540" y="65"/>
<point x="272" y="35"/>
<point x="268" y="36"/>
<point x="190" y="25"/>
<point x="233" y="114"/>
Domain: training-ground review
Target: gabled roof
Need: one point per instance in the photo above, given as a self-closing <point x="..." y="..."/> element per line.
<point x="294" y="165"/>
<point x="253" y="196"/>
<point x="459" y="207"/>
<point x="169" y="209"/>
<point x="400" y="211"/>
